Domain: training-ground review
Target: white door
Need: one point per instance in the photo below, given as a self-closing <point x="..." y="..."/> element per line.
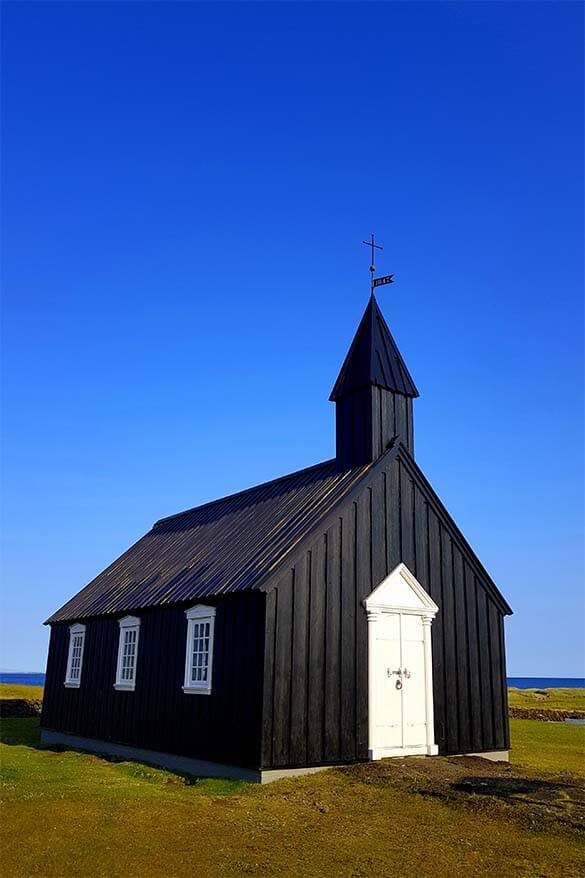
<point x="413" y="682"/>
<point x="400" y="673"/>
<point x="388" y="722"/>
<point x="400" y="712"/>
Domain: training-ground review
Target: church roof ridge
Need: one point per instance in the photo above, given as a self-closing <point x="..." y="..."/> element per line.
<point x="219" y="548"/>
<point x="236" y="495"/>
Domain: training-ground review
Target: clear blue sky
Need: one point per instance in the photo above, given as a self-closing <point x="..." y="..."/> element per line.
<point x="185" y="190"/>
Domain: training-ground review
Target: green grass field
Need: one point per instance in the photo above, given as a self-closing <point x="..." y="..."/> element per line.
<point x="552" y="699"/>
<point x="83" y="815"/>
<point x="548" y="746"/>
<point x="34" y="693"/>
<point x="74" y="814"/>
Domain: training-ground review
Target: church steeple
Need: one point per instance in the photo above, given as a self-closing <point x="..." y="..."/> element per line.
<point x="373" y="394"/>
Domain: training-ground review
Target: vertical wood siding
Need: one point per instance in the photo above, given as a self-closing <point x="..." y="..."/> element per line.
<point x="223" y="726"/>
<point x="366" y="423"/>
<point x="315" y="696"/>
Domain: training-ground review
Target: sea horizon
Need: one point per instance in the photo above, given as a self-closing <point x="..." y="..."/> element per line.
<point x="23" y="678"/>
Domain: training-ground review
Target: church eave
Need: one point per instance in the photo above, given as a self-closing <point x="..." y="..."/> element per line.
<point x="341" y="393"/>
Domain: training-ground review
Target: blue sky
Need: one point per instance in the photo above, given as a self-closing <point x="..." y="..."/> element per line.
<point x="185" y="190"/>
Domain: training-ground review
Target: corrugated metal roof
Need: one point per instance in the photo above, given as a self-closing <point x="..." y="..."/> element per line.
<point x="373" y="358"/>
<point x="219" y="548"/>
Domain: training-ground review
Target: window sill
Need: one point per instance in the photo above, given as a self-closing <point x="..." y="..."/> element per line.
<point x="124" y="687"/>
<point x="69" y="685"/>
<point x="197" y="690"/>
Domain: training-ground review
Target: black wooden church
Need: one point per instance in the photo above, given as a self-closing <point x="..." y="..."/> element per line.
<point x="334" y="615"/>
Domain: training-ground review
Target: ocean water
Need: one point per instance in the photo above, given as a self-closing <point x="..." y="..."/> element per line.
<point x="547" y="682"/>
<point x="23" y="679"/>
<point x="516" y="682"/>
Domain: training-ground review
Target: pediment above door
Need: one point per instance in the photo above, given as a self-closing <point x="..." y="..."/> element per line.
<point x="401" y="590"/>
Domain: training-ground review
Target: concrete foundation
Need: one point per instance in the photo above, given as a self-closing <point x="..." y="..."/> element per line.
<point x="200" y="767"/>
<point x="172" y="762"/>
<point x="492" y="755"/>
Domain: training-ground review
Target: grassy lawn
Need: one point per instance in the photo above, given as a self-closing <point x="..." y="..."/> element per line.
<point x="67" y="813"/>
<point x="548" y="746"/>
<point x="8" y="690"/>
<point x="554" y="699"/>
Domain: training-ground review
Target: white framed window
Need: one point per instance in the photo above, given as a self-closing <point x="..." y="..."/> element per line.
<point x="199" y="652"/>
<point x="75" y="656"/>
<point x="127" y="654"/>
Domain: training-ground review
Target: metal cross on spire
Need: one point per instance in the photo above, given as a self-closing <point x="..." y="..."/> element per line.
<point x="376" y="281"/>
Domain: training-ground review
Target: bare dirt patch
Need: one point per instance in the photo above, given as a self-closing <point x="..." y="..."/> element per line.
<point x="533" y="799"/>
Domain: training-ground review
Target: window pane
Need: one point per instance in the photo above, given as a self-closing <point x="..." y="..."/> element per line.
<point x="75" y="656"/>
<point x="200" y="651"/>
<point x="128" y="654"/>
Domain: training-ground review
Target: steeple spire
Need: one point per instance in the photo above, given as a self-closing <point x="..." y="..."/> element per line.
<point x="373" y="358"/>
<point x="373" y="393"/>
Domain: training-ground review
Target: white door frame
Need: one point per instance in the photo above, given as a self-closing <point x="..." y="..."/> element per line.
<point x="400" y="593"/>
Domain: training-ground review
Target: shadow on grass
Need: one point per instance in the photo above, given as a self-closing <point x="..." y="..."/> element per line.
<point x="21" y="730"/>
<point x="535" y="791"/>
<point x="18" y="731"/>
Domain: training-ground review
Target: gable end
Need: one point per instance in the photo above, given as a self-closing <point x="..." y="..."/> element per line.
<point x="414" y="472"/>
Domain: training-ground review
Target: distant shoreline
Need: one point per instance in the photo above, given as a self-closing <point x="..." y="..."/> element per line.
<point x="32" y="679"/>
<point x="546" y="682"/>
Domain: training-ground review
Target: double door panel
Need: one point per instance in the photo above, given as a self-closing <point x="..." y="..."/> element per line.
<point x="400" y="682"/>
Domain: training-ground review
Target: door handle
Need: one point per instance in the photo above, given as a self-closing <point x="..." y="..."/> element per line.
<point x="399" y="673"/>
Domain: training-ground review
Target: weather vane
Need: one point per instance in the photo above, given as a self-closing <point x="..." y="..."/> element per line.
<point x="376" y="281"/>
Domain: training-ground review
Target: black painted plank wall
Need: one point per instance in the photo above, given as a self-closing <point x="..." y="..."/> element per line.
<point x="366" y="423"/>
<point x="223" y="726"/>
<point x="315" y="697"/>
